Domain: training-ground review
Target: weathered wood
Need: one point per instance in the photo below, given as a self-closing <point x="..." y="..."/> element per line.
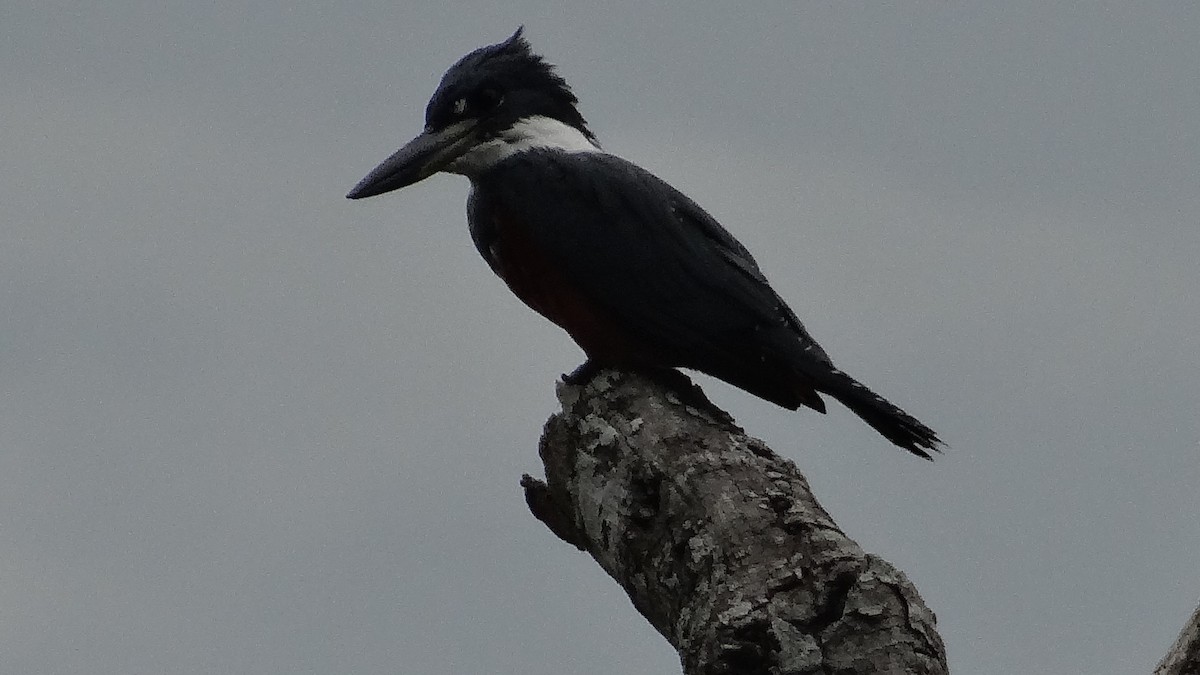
<point x="1184" y="656"/>
<point x="718" y="541"/>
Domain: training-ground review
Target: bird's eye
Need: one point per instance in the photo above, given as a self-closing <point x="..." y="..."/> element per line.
<point x="478" y="102"/>
<point x="485" y="100"/>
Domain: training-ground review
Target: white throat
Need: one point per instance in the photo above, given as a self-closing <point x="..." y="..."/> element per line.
<point x="537" y="132"/>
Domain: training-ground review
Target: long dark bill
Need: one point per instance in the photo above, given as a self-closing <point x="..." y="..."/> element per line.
<point x="420" y="158"/>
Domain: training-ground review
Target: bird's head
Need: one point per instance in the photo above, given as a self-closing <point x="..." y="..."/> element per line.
<point x="495" y="102"/>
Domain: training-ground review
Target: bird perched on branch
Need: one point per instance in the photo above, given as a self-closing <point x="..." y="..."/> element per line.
<point x="637" y="273"/>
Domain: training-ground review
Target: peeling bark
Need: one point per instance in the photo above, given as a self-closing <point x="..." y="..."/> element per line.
<point x="718" y="541"/>
<point x="1184" y="656"/>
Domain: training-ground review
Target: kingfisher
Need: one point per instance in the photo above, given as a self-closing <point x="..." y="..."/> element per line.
<point x="638" y="274"/>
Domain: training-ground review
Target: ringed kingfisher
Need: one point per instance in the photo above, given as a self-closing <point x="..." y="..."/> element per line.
<point x="636" y="272"/>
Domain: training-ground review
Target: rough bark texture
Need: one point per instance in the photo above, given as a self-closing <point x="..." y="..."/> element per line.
<point x="1184" y="656"/>
<point x="718" y="541"/>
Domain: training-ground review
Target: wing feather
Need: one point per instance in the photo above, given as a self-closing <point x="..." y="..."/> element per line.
<point x="666" y="270"/>
<point x="671" y="279"/>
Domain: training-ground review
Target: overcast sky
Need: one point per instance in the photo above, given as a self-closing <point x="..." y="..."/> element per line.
<point x="247" y="426"/>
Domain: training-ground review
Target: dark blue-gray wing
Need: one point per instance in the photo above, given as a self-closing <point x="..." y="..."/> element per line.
<point x="663" y="268"/>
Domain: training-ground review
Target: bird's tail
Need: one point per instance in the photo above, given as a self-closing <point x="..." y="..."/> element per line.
<point x="896" y="425"/>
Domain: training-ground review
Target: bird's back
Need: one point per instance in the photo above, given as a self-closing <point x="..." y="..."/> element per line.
<point x="673" y="287"/>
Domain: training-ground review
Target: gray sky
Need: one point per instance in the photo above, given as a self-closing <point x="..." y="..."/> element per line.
<point x="247" y="426"/>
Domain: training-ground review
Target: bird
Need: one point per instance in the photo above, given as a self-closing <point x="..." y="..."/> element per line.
<point x="638" y="274"/>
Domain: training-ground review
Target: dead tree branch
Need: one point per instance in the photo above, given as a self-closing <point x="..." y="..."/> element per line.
<point x="717" y="540"/>
<point x="1184" y="656"/>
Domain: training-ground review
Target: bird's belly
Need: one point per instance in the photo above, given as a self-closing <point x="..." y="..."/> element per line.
<point x="542" y="283"/>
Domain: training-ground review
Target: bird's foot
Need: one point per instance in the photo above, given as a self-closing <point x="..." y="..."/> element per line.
<point x="583" y="374"/>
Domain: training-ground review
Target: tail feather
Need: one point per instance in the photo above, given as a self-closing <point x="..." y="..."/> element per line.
<point x="897" y="426"/>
